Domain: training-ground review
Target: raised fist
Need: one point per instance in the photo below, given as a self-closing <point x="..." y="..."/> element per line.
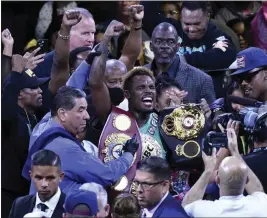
<point x="18" y="63"/>
<point x="7" y="38"/>
<point x="71" y="18"/>
<point x="115" y="28"/>
<point x="136" y="12"/>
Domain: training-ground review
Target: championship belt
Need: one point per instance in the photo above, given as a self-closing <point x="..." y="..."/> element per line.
<point x="183" y="133"/>
<point x="120" y="127"/>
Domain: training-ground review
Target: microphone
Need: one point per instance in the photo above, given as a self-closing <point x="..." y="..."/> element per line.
<point x="245" y="101"/>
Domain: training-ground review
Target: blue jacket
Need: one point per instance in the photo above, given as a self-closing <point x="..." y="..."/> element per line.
<point x="170" y="207"/>
<point x="79" y="166"/>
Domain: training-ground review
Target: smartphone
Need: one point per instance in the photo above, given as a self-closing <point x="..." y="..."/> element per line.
<point x="217" y="139"/>
<point x="43" y="44"/>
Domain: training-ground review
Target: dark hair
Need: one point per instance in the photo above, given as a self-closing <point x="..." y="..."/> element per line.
<point x="164" y="82"/>
<point x="137" y="71"/>
<point x="126" y="205"/>
<point x="46" y="158"/>
<point x="156" y="166"/>
<point x="65" y="98"/>
<point x="230" y="89"/>
<point x="195" y="5"/>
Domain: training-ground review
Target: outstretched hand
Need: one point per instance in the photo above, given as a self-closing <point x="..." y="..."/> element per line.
<point x="32" y="60"/>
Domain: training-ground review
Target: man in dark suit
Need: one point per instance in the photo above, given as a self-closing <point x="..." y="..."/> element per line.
<point x="152" y="183"/>
<point x="164" y="46"/>
<point x="46" y="175"/>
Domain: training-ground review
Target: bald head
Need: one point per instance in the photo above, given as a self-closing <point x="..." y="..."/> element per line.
<point x="164" y="44"/>
<point x="166" y="28"/>
<point x="232" y="175"/>
<point x="115" y="70"/>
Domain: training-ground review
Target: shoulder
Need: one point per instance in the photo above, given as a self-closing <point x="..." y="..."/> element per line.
<point x="194" y="72"/>
<point x="200" y="207"/>
<point x="214" y="32"/>
<point x="261" y="196"/>
<point x="23" y="200"/>
<point x="173" y="206"/>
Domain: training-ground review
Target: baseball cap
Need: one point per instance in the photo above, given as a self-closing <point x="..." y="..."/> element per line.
<point x="78" y="197"/>
<point x="249" y="59"/>
<point x="30" y="80"/>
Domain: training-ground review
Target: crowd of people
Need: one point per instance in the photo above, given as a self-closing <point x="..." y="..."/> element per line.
<point x="139" y="116"/>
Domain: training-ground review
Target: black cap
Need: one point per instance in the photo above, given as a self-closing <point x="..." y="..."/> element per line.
<point x="30" y="80"/>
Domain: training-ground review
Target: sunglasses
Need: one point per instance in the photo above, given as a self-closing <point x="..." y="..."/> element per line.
<point x="248" y="77"/>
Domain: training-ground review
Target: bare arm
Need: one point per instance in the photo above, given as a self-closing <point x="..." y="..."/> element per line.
<point x="60" y="68"/>
<point x="99" y="90"/>
<point x="254" y="184"/>
<point x="198" y="190"/>
<point x="133" y="43"/>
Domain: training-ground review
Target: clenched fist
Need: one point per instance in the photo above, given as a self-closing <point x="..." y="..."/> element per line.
<point x="71" y="18"/>
<point x="115" y="28"/>
<point x="7" y="38"/>
<point x="136" y="13"/>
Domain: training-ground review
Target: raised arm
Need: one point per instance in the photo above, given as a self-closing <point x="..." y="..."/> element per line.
<point x="60" y="67"/>
<point x="198" y="190"/>
<point x="8" y="42"/>
<point x="99" y="90"/>
<point x="254" y="184"/>
<point x="133" y="43"/>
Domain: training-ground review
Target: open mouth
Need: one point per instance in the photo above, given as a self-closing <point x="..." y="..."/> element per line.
<point x="148" y="101"/>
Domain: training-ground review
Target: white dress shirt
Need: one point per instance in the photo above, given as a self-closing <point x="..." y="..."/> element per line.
<point x="51" y="204"/>
<point x="254" y="205"/>
<point x="149" y="213"/>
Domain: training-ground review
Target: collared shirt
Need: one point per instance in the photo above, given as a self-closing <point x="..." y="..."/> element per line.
<point x="149" y="213"/>
<point x="253" y="205"/>
<point x="51" y="203"/>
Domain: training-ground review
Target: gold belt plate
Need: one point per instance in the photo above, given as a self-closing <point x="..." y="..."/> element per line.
<point x="185" y="122"/>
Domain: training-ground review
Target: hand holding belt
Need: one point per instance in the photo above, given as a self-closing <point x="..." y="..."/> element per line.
<point x="182" y="130"/>
<point x="116" y="138"/>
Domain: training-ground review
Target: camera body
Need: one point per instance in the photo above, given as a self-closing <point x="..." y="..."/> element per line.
<point x="251" y="124"/>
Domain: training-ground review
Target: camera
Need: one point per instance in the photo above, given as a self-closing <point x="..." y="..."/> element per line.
<point x="247" y="116"/>
<point x="217" y="139"/>
<point x="252" y="124"/>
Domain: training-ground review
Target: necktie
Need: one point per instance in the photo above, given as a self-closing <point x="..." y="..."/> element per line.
<point x="42" y="206"/>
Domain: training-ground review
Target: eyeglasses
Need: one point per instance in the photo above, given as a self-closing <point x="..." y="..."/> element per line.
<point x="146" y="185"/>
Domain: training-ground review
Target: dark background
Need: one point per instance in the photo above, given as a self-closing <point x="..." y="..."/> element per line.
<point x="20" y="17"/>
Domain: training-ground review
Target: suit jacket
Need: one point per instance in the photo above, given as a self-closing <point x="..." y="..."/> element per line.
<point x="170" y="207"/>
<point x="25" y="204"/>
<point x="197" y="83"/>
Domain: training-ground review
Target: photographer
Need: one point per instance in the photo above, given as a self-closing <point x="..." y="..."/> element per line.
<point x="257" y="157"/>
<point x="233" y="176"/>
